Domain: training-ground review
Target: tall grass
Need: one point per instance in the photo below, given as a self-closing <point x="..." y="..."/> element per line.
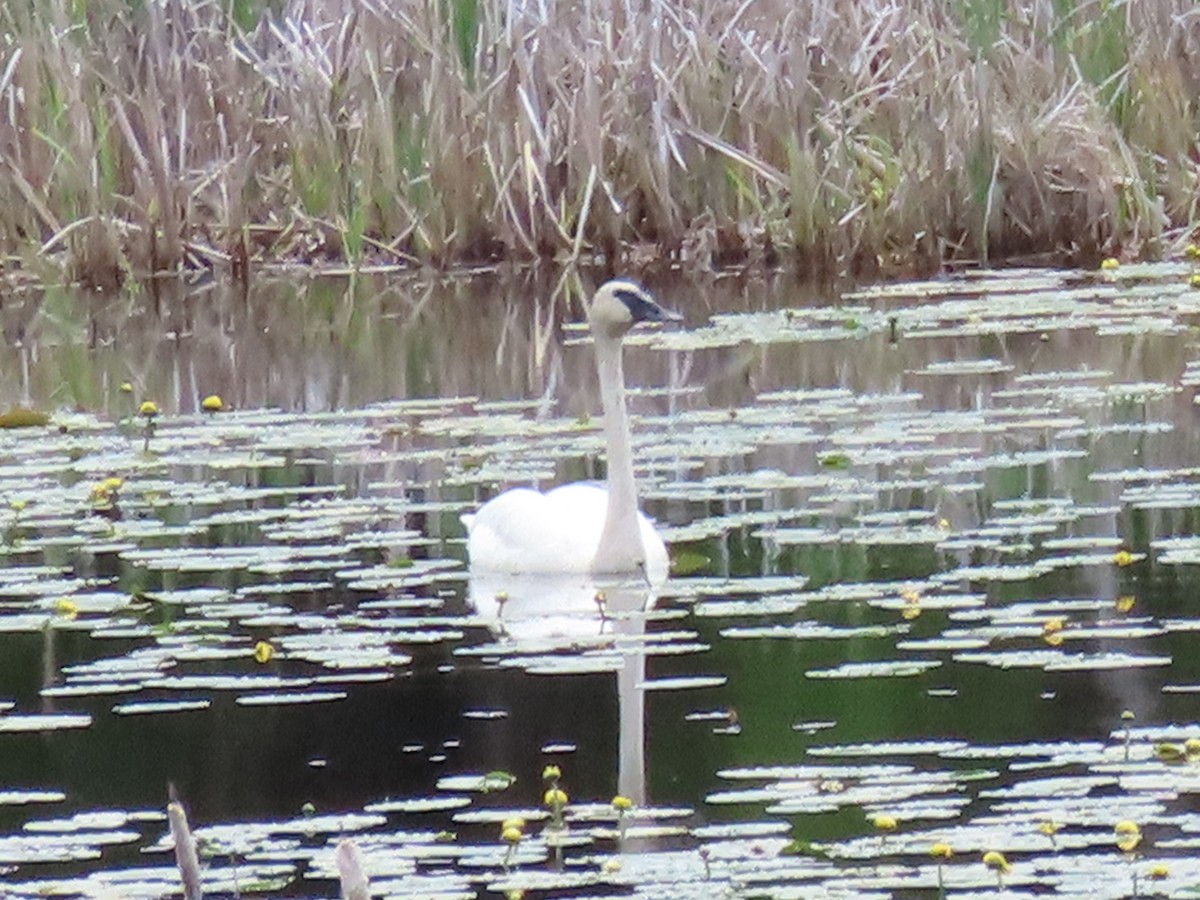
<point x="155" y="135"/>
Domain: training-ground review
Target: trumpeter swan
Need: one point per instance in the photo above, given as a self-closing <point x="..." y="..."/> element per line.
<point x="584" y="527"/>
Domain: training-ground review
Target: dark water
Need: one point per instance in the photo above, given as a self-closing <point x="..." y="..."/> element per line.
<point x="838" y="423"/>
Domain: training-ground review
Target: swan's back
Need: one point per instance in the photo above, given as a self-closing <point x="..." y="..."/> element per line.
<point x="526" y="532"/>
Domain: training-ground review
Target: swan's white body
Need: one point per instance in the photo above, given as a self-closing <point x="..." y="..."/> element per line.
<point x="585" y="527"/>
<point x="524" y="531"/>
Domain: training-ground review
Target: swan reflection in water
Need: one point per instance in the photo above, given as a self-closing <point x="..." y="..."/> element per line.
<point x="575" y="614"/>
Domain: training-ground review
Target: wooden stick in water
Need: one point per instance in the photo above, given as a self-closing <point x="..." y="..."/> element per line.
<point x="185" y="851"/>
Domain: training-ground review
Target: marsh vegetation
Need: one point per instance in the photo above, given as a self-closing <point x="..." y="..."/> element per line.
<point x="158" y="136"/>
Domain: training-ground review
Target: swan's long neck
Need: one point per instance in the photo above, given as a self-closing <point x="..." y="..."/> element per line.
<point x="620" y="548"/>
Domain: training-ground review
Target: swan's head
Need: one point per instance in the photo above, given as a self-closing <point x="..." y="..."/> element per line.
<point x="620" y="304"/>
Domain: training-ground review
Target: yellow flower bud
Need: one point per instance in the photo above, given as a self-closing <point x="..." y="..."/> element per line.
<point x="995" y="861"/>
<point x="941" y="850"/>
<point x="212" y="403"/>
<point x="263" y="652"/>
<point x="1129" y="844"/>
<point x="884" y="823"/>
<point x="149" y="409"/>
<point x="1129" y="835"/>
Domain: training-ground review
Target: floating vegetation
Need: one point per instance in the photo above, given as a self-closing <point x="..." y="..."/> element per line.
<point x="23" y="417"/>
<point x="16" y="722"/>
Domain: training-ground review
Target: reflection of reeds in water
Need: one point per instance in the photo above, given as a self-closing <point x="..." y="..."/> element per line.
<point x="149" y="136"/>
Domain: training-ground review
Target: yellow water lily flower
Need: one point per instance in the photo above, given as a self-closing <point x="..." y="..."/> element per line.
<point x="941" y="850"/>
<point x="149" y="409"/>
<point x="263" y="652"/>
<point x="1111" y="264"/>
<point x="512" y="835"/>
<point x="1126" y="603"/>
<point x="1157" y="871"/>
<point x="212" y="403"/>
<point x="1052" y="632"/>
<point x="555" y="798"/>
<point x="621" y="803"/>
<point x="551" y="773"/>
<point x="1123" y="558"/>
<point x="106" y="489"/>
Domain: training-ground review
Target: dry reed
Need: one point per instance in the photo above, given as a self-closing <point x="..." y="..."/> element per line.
<point x="167" y="134"/>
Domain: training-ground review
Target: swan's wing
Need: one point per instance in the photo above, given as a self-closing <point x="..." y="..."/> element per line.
<point x="525" y="531"/>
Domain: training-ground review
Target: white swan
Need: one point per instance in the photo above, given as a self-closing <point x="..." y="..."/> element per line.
<point x="582" y="528"/>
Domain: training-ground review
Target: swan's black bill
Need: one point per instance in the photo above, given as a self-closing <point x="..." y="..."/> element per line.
<point x="643" y="308"/>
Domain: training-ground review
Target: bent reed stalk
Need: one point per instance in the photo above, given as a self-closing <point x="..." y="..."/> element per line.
<point x="156" y="135"/>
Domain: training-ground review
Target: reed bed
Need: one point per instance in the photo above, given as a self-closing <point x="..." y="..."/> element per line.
<point x="157" y="135"/>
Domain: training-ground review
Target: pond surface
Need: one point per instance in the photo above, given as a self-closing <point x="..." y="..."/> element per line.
<point x="934" y="582"/>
